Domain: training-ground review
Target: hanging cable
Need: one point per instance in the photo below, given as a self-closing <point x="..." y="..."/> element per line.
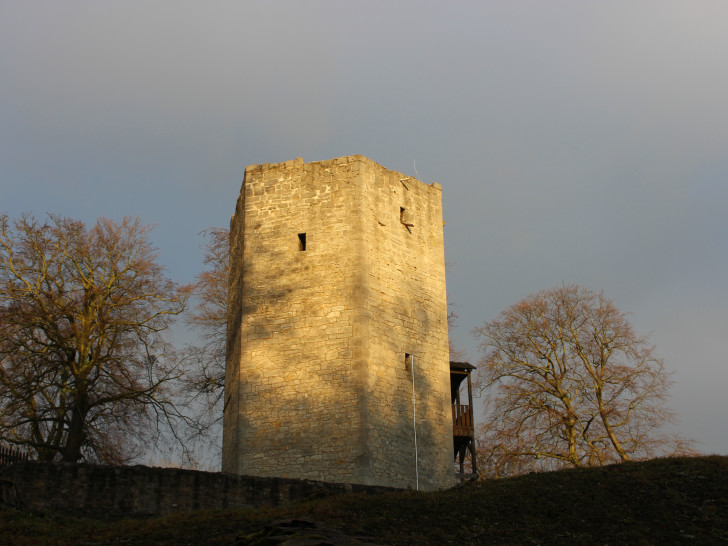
<point x="414" y="422"/>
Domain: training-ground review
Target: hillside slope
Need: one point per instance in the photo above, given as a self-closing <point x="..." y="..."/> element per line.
<point x="663" y="501"/>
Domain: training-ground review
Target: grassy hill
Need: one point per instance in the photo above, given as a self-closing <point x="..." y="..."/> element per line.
<point x="663" y="501"/>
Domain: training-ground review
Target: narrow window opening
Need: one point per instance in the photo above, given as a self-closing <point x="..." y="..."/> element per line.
<point x="407" y="362"/>
<point x="302" y="242"/>
<point x="404" y="218"/>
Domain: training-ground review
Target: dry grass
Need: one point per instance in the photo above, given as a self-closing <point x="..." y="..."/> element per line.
<point x="663" y="501"/>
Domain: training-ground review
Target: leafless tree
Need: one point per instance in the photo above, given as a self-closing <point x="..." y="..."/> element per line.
<point x="205" y="379"/>
<point x="569" y="383"/>
<point x="84" y="370"/>
<point x="456" y="354"/>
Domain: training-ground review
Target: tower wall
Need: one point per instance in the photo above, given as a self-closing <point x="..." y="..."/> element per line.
<point x="329" y="290"/>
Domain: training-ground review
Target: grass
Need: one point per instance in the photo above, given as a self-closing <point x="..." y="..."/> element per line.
<point x="662" y="501"/>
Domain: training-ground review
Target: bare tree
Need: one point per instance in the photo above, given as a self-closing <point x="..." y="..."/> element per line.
<point x="205" y="380"/>
<point x="84" y="370"/>
<point x="569" y="384"/>
<point x="455" y="353"/>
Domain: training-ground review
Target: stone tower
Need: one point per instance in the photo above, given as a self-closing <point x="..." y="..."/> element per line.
<point x="337" y="357"/>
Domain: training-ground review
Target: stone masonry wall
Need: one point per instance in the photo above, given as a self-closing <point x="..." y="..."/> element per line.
<point x="329" y="290"/>
<point x="406" y="313"/>
<point x="111" y="492"/>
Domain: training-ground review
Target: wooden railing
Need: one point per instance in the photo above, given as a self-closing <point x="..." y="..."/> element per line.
<point x="9" y="455"/>
<point x="462" y="420"/>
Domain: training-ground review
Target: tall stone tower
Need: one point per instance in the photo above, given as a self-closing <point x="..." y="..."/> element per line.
<point x="337" y="357"/>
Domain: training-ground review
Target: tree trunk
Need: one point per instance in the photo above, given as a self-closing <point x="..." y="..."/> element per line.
<point x="612" y="437"/>
<point x="71" y="452"/>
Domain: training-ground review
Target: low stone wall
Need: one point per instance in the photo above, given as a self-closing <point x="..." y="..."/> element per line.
<point x="111" y="492"/>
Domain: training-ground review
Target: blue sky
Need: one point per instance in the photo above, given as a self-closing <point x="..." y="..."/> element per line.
<point x="578" y="142"/>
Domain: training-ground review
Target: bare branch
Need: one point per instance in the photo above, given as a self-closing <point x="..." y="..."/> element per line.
<point x="82" y="363"/>
<point x="568" y="382"/>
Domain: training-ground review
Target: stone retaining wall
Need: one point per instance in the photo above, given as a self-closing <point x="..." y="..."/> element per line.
<point x="111" y="492"/>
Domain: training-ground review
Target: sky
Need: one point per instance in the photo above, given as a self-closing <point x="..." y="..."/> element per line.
<point x="576" y="142"/>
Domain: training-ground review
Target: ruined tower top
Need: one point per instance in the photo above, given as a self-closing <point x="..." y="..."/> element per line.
<point x="337" y="361"/>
